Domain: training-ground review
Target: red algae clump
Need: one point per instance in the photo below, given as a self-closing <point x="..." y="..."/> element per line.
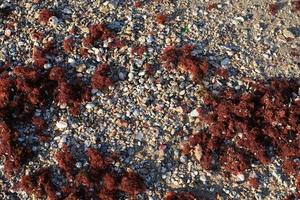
<point x="97" y="181"/>
<point x="44" y="16"/>
<point x="68" y="45"/>
<point x="100" y="79"/>
<point x="161" y="18"/>
<point x="179" y="196"/>
<point x="243" y="127"/>
<point x="295" y="5"/>
<point x="182" y="59"/>
<point x="132" y="184"/>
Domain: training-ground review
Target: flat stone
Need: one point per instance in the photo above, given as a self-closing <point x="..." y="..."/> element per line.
<point x="61" y="125"/>
<point x="90" y="106"/>
<point x="194" y="113"/>
<point x="288" y="34"/>
<point x="225" y="62"/>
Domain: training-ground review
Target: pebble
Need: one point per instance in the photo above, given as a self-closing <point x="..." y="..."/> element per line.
<point x="7" y="32"/>
<point x="78" y="165"/>
<point x="80" y="68"/>
<point x="61" y="125"/>
<point x="63" y="140"/>
<point x="155" y="124"/>
<point x="240" y="177"/>
<point x="71" y="61"/>
<point x="47" y="66"/>
<point x="89" y="106"/>
<point x="130" y="76"/>
<point x="194" y="113"/>
<point x="139" y="136"/>
<point x="183" y="159"/>
<point x="203" y="178"/>
<point x="288" y="34"/>
<point x="225" y="61"/>
<point x="53" y="21"/>
<point x="122" y="76"/>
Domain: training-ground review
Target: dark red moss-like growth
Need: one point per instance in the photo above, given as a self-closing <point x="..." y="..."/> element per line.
<point x="233" y="161"/>
<point x="22" y="91"/>
<point x="161" y="18"/>
<point x="97" y="160"/>
<point x="99" y="31"/>
<point x="139" y="51"/>
<point x="97" y="34"/>
<point x="38" y="56"/>
<point x="99" y="180"/>
<point x="44" y="16"/>
<point x="65" y="161"/>
<point x="212" y="6"/>
<point x="39" y="184"/>
<point x="68" y="45"/>
<point x="100" y="79"/>
<point x="253" y="182"/>
<point x="208" y="147"/>
<point x="222" y="72"/>
<point x="15" y="155"/>
<point x="137" y="4"/>
<point x="132" y="184"/>
<point x="149" y="69"/>
<point x="296" y="6"/>
<point x="182" y="58"/>
<point x="251" y="123"/>
<point x="71" y="94"/>
<point x="273" y="8"/>
<point x="36" y="35"/>
<point x="88" y="42"/>
<point x="179" y="196"/>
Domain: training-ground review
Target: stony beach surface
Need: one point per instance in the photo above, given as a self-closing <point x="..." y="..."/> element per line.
<point x="130" y="105"/>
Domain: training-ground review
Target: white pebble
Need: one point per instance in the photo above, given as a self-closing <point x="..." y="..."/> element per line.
<point x="240" y="177"/>
<point x="47" y="66"/>
<point x="130" y="76"/>
<point x="139" y="136"/>
<point x="7" y="32"/>
<point x="90" y="106"/>
<point x="61" y="125"/>
<point x="194" y="113"/>
<point x="203" y="178"/>
<point x="78" y="165"/>
<point x="71" y="61"/>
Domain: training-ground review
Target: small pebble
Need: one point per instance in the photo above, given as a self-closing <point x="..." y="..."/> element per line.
<point x="90" y="106"/>
<point x="61" y="125"/>
<point x="194" y="113"/>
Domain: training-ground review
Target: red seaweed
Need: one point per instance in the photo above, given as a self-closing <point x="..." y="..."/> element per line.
<point x="68" y="45"/>
<point x="65" y="161"/>
<point x="100" y="79"/>
<point x="44" y="16"/>
<point x="132" y="184"/>
<point x="273" y="8"/>
<point x="257" y="121"/>
<point x="182" y="58"/>
<point x="161" y="18"/>
<point x="295" y="5"/>
<point x="179" y="196"/>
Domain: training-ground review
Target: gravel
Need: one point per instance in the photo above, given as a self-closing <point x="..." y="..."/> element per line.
<point x="146" y="118"/>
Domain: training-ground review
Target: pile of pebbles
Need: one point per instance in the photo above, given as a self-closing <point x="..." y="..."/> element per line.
<point x="144" y="117"/>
